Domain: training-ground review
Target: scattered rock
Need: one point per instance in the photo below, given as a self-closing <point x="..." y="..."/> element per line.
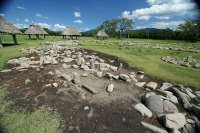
<point x="27" y="81"/>
<point x="86" y="108"/>
<point x="166" y="86"/>
<point x="84" y="75"/>
<point x="125" y="77"/>
<point x="151" y="85"/>
<point x="77" y="79"/>
<point x="140" y="84"/>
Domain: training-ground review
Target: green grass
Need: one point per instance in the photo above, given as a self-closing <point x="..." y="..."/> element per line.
<point x="14" y="120"/>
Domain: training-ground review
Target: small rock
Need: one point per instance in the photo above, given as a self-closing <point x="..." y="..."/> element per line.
<point x="55" y="85"/>
<point x="151" y="85"/>
<point x="166" y="86"/>
<point x="38" y="69"/>
<point x="86" y="108"/>
<point x="99" y="74"/>
<point x="140" y="72"/>
<point x="27" y="81"/>
<point x="140" y="84"/>
<point x="64" y="65"/>
<point x="84" y="75"/>
<point x="77" y="79"/>
<point x="125" y="77"/>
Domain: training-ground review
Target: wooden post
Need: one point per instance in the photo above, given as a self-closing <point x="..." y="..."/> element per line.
<point x="63" y="36"/>
<point x="71" y="37"/>
<point x="44" y="37"/>
<point x="37" y="36"/>
<point x="29" y="36"/>
<point x="14" y="38"/>
<point x="1" y="45"/>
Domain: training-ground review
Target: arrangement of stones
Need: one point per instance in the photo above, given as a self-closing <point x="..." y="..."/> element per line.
<point x="158" y="101"/>
<point x="144" y="44"/>
<point x="187" y="62"/>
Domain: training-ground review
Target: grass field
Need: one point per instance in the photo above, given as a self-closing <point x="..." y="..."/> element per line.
<point x="145" y="59"/>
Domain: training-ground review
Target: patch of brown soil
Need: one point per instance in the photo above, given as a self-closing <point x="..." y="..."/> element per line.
<point x="108" y="112"/>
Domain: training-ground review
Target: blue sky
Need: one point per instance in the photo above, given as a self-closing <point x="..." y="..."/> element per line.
<point x="88" y="14"/>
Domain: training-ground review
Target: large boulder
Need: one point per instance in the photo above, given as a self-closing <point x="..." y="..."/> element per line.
<point x="176" y="120"/>
<point x="155" y="103"/>
<point x="151" y="85"/>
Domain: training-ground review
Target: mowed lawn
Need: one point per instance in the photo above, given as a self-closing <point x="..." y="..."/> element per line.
<point x="145" y="59"/>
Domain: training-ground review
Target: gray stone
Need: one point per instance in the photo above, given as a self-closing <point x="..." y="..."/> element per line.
<point x="196" y="110"/>
<point x="77" y="79"/>
<point x="86" y="108"/>
<point x="151" y="85"/>
<point x="25" y="65"/>
<point x="110" y="87"/>
<point x="99" y="74"/>
<point x="133" y="78"/>
<point x="78" y="61"/>
<point x="54" y="62"/>
<point x="189" y="59"/>
<point x="169" y="107"/>
<point x="197" y="98"/>
<point x="140" y="84"/>
<point x="189" y="128"/>
<point x="92" y="66"/>
<point x="140" y="72"/>
<point x="113" y="68"/>
<point x="175" y="131"/>
<point x="143" y="110"/>
<point x="155" y="103"/>
<point x="153" y="128"/>
<point x="148" y="94"/>
<point x="197" y="93"/>
<point x="75" y="66"/>
<point x="67" y="77"/>
<point x="166" y="86"/>
<point x="82" y="61"/>
<point x="120" y="66"/>
<point x="125" y="77"/>
<point x="84" y="74"/>
<point x="175" y="120"/>
<point x="67" y="59"/>
<point x="64" y="65"/>
<point x="90" y="89"/>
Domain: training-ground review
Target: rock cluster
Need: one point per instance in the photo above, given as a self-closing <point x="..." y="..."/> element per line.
<point x="164" y="105"/>
<point x="187" y="62"/>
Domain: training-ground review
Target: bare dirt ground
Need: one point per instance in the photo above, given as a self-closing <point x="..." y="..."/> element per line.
<point x="107" y="113"/>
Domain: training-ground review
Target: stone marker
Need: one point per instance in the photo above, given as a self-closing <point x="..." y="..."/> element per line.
<point x="76" y="78"/>
<point x="92" y="64"/>
<point x="120" y="66"/>
<point x="78" y="61"/>
<point x="110" y="87"/>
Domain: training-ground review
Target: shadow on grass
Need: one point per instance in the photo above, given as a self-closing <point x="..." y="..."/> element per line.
<point x="9" y="44"/>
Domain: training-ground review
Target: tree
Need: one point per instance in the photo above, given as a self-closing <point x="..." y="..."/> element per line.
<point x="117" y="26"/>
<point x="190" y="29"/>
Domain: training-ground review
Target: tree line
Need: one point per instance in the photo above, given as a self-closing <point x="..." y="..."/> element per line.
<point x="188" y="31"/>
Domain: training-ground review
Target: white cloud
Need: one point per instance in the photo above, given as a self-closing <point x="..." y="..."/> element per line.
<point x="17" y="19"/>
<point x="40" y="16"/>
<point x="78" y="21"/>
<point x="2" y="14"/>
<point x="19" y="7"/>
<point x="77" y="14"/>
<point x="162" y="9"/>
<point x="58" y="26"/>
<point x="26" y="20"/>
<point x="140" y="27"/>
<point x="164" y="24"/>
<point x="43" y="25"/>
<point x="85" y="29"/>
<point x="21" y="26"/>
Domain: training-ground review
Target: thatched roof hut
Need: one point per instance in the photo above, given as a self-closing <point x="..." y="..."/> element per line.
<point x="35" y="30"/>
<point x="7" y="27"/>
<point x="69" y="31"/>
<point x="102" y="33"/>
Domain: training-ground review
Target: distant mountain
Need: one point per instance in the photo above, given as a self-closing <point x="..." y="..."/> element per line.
<point x="85" y="33"/>
<point x="150" y="30"/>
